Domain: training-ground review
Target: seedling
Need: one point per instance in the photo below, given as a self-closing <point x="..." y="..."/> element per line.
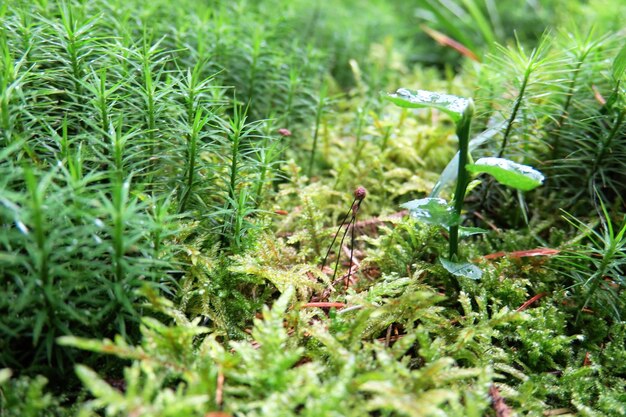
<point x="437" y="211"/>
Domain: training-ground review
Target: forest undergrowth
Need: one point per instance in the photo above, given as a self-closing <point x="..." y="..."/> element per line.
<point x="347" y="208"/>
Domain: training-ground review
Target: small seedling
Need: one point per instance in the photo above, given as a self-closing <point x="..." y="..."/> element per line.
<point x="437" y="211"/>
<point x="359" y="196"/>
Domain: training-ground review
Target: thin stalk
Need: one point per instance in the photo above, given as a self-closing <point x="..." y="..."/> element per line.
<point x="71" y="47"/>
<point x="263" y="160"/>
<point x="509" y="126"/>
<point x="330" y="247"/>
<point x="361" y="112"/>
<point x="606" y="144"/>
<point x="234" y="160"/>
<point x="291" y="93"/>
<point x="118" y="214"/>
<point x="6" y="79"/>
<point x="343" y="238"/>
<point x="38" y="222"/>
<point x="100" y="102"/>
<point x="192" y="153"/>
<point x="359" y="195"/>
<point x="352" y="246"/>
<point x="516" y="107"/>
<point x="463" y="131"/>
<point x="318" y="121"/>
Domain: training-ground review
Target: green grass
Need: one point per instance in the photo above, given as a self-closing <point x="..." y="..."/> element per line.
<point x="173" y="173"/>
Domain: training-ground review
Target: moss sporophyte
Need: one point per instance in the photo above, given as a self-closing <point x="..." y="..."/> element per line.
<point x="359" y="195"/>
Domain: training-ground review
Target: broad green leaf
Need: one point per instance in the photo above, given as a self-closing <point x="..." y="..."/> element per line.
<point x="462" y="269"/>
<point x="456" y="107"/>
<point x="512" y="174"/>
<point x="435" y="211"/>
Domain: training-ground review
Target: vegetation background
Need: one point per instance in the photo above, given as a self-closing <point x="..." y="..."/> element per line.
<point x="173" y="176"/>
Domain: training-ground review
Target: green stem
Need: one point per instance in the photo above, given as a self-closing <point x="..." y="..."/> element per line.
<point x="605" y="145"/>
<point x="462" y="131"/>
<point x="513" y="116"/>
<point x="568" y="101"/>
<point x="318" y="122"/>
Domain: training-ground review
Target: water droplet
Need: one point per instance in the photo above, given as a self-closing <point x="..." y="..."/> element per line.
<point x="22" y="227"/>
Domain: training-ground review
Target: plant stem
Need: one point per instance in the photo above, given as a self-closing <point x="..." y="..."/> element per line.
<point x="605" y="145"/>
<point x="336" y="234"/>
<point x="513" y="116"/>
<point x="318" y="120"/>
<point x="462" y="131"/>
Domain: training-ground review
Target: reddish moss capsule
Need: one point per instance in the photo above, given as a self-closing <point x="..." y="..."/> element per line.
<point x="360" y="193"/>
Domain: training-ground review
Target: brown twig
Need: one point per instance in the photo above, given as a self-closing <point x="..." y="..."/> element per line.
<point x="557" y="412"/>
<point x="219" y="391"/>
<point x="531" y="301"/>
<point x="499" y="406"/>
<point x="488" y="222"/>
<point x="391" y="338"/>
<point x="322" y="304"/>
<point x="523" y="253"/>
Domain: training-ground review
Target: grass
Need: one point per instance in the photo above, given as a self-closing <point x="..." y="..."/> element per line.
<point x="173" y="174"/>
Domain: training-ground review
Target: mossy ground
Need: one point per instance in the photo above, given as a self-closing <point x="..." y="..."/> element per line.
<point x="172" y="176"/>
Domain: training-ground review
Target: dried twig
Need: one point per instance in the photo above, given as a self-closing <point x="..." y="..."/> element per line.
<point x="531" y="301"/>
<point x="219" y="391"/>
<point x="499" y="406"/>
<point x="322" y="304"/>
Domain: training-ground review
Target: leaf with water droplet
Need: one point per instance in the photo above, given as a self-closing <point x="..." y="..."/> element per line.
<point x="456" y="107"/>
<point x="462" y="269"/>
<point x="450" y="173"/>
<point x="506" y="172"/>
<point x="435" y="211"/>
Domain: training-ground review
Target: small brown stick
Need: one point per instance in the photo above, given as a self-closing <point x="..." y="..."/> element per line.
<point x="499" y="406"/>
<point x="531" y="301"/>
<point x="322" y="304"/>
<point x="391" y="338"/>
<point x="388" y="337"/>
<point x="488" y="222"/>
<point x="598" y="96"/>
<point x="557" y="412"/>
<point x="219" y="391"/>
<point x="445" y="40"/>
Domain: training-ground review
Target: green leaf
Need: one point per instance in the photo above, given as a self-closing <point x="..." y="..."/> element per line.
<point x="462" y="269"/>
<point x="619" y="64"/>
<point x="435" y="211"/>
<point x="454" y="106"/>
<point x="470" y="231"/>
<point x="518" y="176"/>
<point x="450" y="173"/>
<point x="98" y="387"/>
<point x="40" y="320"/>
